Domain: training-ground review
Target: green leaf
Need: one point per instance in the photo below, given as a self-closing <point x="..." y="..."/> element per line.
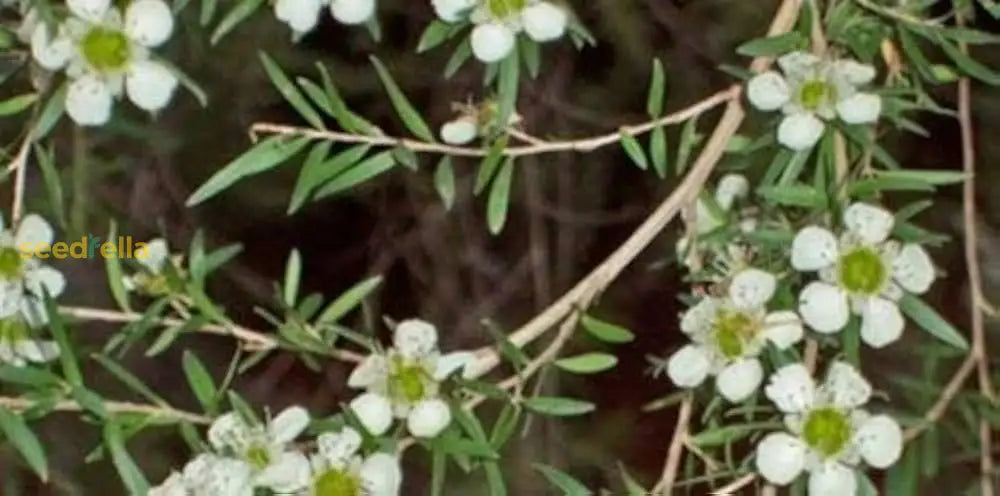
<point x="605" y="331"/>
<point x="634" y="150"/>
<point x="128" y="471"/>
<point x="934" y="177"/>
<point x="631" y="485"/>
<point x="774" y="45"/>
<point x="462" y="53"/>
<point x="67" y="358"/>
<point x="587" y="363"/>
<point x="489" y="165"/>
<point x="411" y="118"/>
<point x="186" y="81"/>
<point x="20" y="436"/>
<point x="53" y="183"/>
<point x="507" y="88"/>
<point x="531" y="54"/>
<point x="293" y="276"/>
<point x="200" y="381"/>
<point x="566" y="483"/>
<point x="17" y="104"/>
<point x="434" y="34"/>
<point x="494" y="479"/>
<point x="51" y="113"/>
<point x="348" y="300"/>
<point x="338" y="108"/>
<point x="292" y="94"/>
<point x="406" y="157"/>
<point x="444" y="182"/>
<point x="658" y="151"/>
<point x="316" y="171"/>
<point x="795" y="195"/>
<point x="558" y="407"/>
<point x="113" y="268"/>
<point x="368" y="169"/>
<point x="657" y="90"/>
<point x="929" y="320"/>
<point x="505" y="425"/>
<point x="969" y="65"/>
<point x="689" y="138"/>
<point x="265" y="155"/>
<point x="499" y="200"/>
<point x="236" y="15"/>
<point x="129" y="379"/>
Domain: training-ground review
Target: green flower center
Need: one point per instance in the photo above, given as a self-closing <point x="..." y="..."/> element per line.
<point x="827" y="431"/>
<point x="408" y="383"/>
<point x="13" y="330"/>
<point x="337" y="483"/>
<point x="505" y="8"/>
<point x="10" y="263"/>
<point x="259" y="457"/>
<point x="106" y="49"/>
<point x="862" y="271"/>
<point x="815" y="93"/>
<point x="732" y="331"/>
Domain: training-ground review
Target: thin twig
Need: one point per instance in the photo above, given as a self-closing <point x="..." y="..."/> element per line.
<point x="580" y="145"/>
<point x="935" y="412"/>
<point x="736" y="485"/>
<point x="20" y="165"/>
<point x="22" y="404"/>
<point x="675" y="449"/>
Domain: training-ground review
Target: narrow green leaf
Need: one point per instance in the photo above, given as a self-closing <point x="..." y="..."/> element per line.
<point x="558" y="407"/>
<point x="20" y="436"/>
<point x="265" y="155"/>
<point x="566" y="483"/>
<point x="658" y="151"/>
<point x="348" y="300"/>
<point x="774" y="45"/>
<point x="53" y="183"/>
<point x="293" y="276"/>
<point x="316" y="171"/>
<point x="129" y="379"/>
<point x="17" y="104"/>
<point x="795" y="195"/>
<point x="689" y="138"/>
<point x="969" y="65"/>
<point x="368" y="169"/>
<point x="116" y="277"/>
<point x="67" y="358"/>
<point x="411" y="118"/>
<point x="494" y="479"/>
<point x="51" y="113"/>
<point x="508" y="85"/>
<point x="200" y="381"/>
<point x="499" y="200"/>
<point x="444" y="182"/>
<point x="128" y="471"/>
<point x="605" y="331"/>
<point x="531" y="54"/>
<point x="657" y="90"/>
<point x="587" y="363"/>
<point x="462" y="53"/>
<point x="489" y="165"/>
<point x="634" y="150"/>
<point x="929" y="320"/>
<point x="240" y="11"/>
<point x="434" y="34"/>
<point x="288" y="90"/>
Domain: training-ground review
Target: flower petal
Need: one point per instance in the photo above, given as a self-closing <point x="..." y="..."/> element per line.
<point x="791" y="388"/>
<point x="544" y="21"/>
<point x="88" y="101"/>
<point x="415" y="338"/>
<point x="37" y="351"/>
<point x="460" y="131"/>
<point x="300" y="15"/>
<point x="33" y="229"/>
<point x="150" y="85"/>
<point x="846" y="386"/>
<point x="780" y="458"/>
<point x="752" y="288"/>
<point x="288" y="474"/>
<point x="737" y="381"/>
<point x="768" y="91"/>
<point x="800" y="131"/>
<point x="91" y="10"/>
<point x="860" y="108"/>
<point x="879" y="440"/>
<point x="227" y="431"/>
<point x="338" y="447"/>
<point x="171" y="486"/>
<point x="352" y="11"/>
<point x="44" y="279"/>
<point x="813" y="248"/>
<point x="156" y="254"/>
<point x="381" y="475"/>
<point x="689" y="366"/>
<point x="452" y="10"/>
<point x="50" y="50"/>
<point x="428" y="418"/>
<point x="374" y="411"/>
<point x="149" y="22"/>
<point x="854" y="72"/>
<point x="913" y="269"/>
<point x="731" y="187"/>
<point x="491" y="42"/>
<point x="881" y="322"/>
<point x="832" y="479"/>
<point x="371" y="370"/>
<point x="447" y="364"/>
<point x="870" y="223"/>
<point x="288" y="424"/>
<point x="783" y="328"/>
<point x="698" y="319"/>
<point x="798" y="65"/>
<point x="824" y="307"/>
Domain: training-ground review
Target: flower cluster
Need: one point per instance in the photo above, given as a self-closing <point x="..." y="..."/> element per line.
<point x="811" y="91"/>
<point x="499" y="21"/>
<point x="404" y="382"/>
<point x="24" y="282"/>
<point x="303" y="15"/>
<point x="159" y="272"/>
<point x="104" y="53"/>
<point x="248" y="456"/>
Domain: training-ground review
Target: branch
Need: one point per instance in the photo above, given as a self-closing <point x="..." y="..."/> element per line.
<point x="19" y="165"/>
<point x="165" y="412"/>
<point x="675" y="450"/>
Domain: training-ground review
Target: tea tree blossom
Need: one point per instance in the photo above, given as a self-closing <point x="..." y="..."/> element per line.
<point x="338" y="469"/>
<point x="303" y="15"/>
<point x="404" y="382"/>
<point x="104" y="54"/>
<point x="499" y="21"/>
<point x="158" y="270"/>
<point x="24" y="279"/>
<point x="208" y="475"/>
<point x="863" y="272"/>
<point x="729" y="333"/>
<point x="813" y="90"/>
<point x="829" y="434"/>
<point x="266" y="449"/>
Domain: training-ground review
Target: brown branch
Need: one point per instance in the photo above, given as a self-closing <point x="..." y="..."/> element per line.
<point x="675" y="450"/>
<point x="164" y="412"/>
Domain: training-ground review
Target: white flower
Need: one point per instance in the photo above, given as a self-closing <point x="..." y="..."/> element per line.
<point x="24" y="281"/>
<point x="492" y="42"/>
<point x="171" y="486"/>
<point x="544" y="21"/>
<point x="499" y="21"/>
<point x="154" y="259"/>
<point x="211" y="475"/>
<point x="460" y="131"/>
<point x="104" y="54"/>
<point x="338" y="468"/>
<point x="729" y="333"/>
<point x="452" y="10"/>
<point x="829" y="434"/>
<point x="300" y="15"/>
<point x="813" y="90"/>
<point x="352" y="11"/>
<point x="404" y="382"/>
<point x="863" y="272"/>
<point x="266" y="449"/>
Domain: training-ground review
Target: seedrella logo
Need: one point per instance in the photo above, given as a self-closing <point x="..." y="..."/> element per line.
<point x="88" y="246"/>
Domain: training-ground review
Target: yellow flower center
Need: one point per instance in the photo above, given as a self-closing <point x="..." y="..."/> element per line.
<point x="337" y="483"/>
<point x="106" y="49"/>
<point x="862" y="271"/>
<point x="827" y="431"/>
<point x="815" y="93"/>
<point x="502" y="9"/>
<point x="733" y="331"/>
<point x="408" y="382"/>
<point x="10" y="263"/>
<point x="259" y="457"/>
<point x="13" y="330"/>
